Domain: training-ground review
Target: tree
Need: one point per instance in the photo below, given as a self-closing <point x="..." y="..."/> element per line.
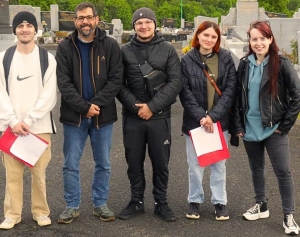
<point x="193" y="9"/>
<point x="279" y="7"/>
<point x="44" y="4"/>
<point x="67" y="5"/>
<point x="118" y="9"/>
<point x="13" y="2"/>
<point x="168" y="10"/>
<point x="136" y="4"/>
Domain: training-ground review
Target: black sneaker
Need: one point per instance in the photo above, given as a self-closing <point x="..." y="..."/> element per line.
<point x="260" y="210"/>
<point x="164" y="212"/>
<point x="193" y="212"/>
<point x="221" y="212"/>
<point x="133" y="209"/>
<point x="290" y="225"/>
<point x="68" y="215"/>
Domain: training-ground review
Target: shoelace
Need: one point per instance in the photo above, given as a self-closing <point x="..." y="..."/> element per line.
<point x="254" y="209"/>
<point x="290" y="220"/>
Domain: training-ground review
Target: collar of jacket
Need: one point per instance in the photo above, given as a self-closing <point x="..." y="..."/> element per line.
<point x="100" y="34"/>
<point x="195" y="55"/>
<point x="156" y="39"/>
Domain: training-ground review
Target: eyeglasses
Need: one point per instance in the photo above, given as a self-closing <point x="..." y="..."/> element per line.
<point x="88" y="18"/>
<point x="140" y="23"/>
<point x="254" y="23"/>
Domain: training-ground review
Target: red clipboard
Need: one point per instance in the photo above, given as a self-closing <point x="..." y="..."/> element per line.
<point x="215" y="156"/>
<point x="7" y="140"/>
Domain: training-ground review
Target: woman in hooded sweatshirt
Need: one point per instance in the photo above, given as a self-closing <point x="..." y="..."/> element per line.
<point x="203" y="107"/>
<point x="267" y="105"/>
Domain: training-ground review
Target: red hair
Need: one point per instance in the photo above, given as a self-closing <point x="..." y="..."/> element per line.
<point x="273" y="65"/>
<point x="202" y="27"/>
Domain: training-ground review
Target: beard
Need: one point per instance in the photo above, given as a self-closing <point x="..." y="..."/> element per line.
<point x="86" y="33"/>
<point x="25" y="41"/>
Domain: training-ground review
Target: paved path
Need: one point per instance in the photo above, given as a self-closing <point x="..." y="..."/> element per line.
<point x="239" y="188"/>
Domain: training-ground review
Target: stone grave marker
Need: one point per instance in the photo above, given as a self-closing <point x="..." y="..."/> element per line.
<point x="66" y="21"/>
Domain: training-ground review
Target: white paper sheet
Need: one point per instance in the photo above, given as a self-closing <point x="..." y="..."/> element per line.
<point x="28" y="148"/>
<point x="205" y="142"/>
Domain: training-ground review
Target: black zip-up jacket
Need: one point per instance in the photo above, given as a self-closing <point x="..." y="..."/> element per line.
<point x="193" y="96"/>
<point x="106" y="74"/>
<point x="283" y="108"/>
<point x="161" y="56"/>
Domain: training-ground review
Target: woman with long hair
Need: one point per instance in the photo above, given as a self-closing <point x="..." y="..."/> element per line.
<point x="203" y="106"/>
<point x="267" y="106"/>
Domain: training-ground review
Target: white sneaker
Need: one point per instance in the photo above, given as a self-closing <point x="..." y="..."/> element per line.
<point x="260" y="210"/>
<point x="42" y="220"/>
<point x="290" y="225"/>
<point x="9" y="223"/>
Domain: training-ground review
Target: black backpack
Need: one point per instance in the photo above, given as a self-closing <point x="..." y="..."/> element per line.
<point x="8" y="56"/>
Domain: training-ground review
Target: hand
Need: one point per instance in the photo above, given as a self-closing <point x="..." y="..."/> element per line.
<point x="20" y="129"/>
<point x="144" y="111"/>
<point x="94" y="110"/>
<point x="277" y="131"/>
<point x="241" y="134"/>
<point x="207" y="124"/>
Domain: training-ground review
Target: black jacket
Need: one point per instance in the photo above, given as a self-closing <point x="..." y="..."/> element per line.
<point x="193" y="96"/>
<point x="161" y="56"/>
<point x="283" y="109"/>
<point x="106" y="74"/>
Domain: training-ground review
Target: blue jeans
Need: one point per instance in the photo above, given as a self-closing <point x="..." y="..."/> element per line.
<point x="217" y="177"/>
<point x="277" y="147"/>
<point x="74" y="142"/>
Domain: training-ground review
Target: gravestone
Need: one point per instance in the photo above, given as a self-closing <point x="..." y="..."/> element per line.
<point x="275" y="15"/>
<point x="199" y="19"/>
<point x="5" y="27"/>
<point x="66" y="21"/>
<point x="54" y="17"/>
<point x="118" y="30"/>
<point x="189" y="25"/>
<point x="168" y="22"/>
<point x="118" y="26"/>
<point x="46" y="17"/>
<point x="106" y="26"/>
<point x="239" y="19"/>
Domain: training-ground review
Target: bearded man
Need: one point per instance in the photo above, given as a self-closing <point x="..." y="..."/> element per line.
<point x="89" y="76"/>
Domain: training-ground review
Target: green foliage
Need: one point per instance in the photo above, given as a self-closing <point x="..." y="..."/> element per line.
<point x="44" y="4"/>
<point x="123" y="9"/>
<point x="191" y="9"/>
<point x="13" y="2"/>
<point x="167" y="10"/>
<point x="294" y="55"/>
<point x="279" y="7"/>
<point x="67" y="5"/>
<point x="118" y="9"/>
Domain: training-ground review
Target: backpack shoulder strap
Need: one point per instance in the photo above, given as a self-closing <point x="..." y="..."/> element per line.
<point x="9" y="53"/>
<point x="43" y="60"/>
<point x="44" y="66"/>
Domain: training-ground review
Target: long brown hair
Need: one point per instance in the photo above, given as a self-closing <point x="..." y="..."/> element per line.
<point x="273" y="65"/>
<point x="202" y="27"/>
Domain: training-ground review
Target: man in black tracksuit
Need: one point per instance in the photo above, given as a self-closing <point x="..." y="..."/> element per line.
<point x="146" y="120"/>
